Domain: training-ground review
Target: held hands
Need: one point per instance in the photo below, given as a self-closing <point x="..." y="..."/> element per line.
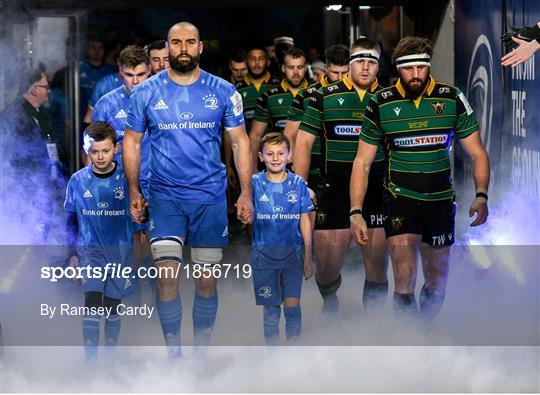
<point x="137" y="207"/>
<point x="359" y="229"/>
<point x="244" y="209"/>
<point x="479" y="206"/>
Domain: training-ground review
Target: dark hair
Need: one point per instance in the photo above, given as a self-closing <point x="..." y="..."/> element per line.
<point x="132" y="56"/>
<point x="366" y="43"/>
<point x="33" y="76"/>
<point x="295" y="53"/>
<point x="159" y="44"/>
<point x="237" y="55"/>
<point x="274" y="138"/>
<point x="337" y="54"/>
<point x="100" y="131"/>
<point x="411" y="45"/>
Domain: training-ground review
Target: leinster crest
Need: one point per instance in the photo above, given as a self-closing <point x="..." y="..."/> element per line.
<point x="438" y="107"/>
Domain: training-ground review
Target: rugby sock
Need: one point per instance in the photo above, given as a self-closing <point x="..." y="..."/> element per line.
<point x="293" y="322"/>
<point x="90" y="330"/>
<point x="405" y="304"/>
<point x="204" y="317"/>
<point x="430" y="303"/>
<point x="112" y="322"/>
<point x="328" y="292"/>
<point x="374" y="295"/>
<point x="112" y="329"/>
<point x="271" y="317"/>
<point x="170" y="316"/>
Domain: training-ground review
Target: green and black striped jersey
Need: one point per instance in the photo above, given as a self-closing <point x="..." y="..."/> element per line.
<point x="272" y="106"/>
<point x="296" y="112"/>
<point x="336" y="113"/>
<point x="250" y="92"/>
<point x="301" y="100"/>
<point x="417" y="135"/>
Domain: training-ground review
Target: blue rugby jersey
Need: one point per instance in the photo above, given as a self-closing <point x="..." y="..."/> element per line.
<point x="184" y="125"/>
<point x="104" y="86"/>
<point x="102" y="209"/>
<point x="277" y="240"/>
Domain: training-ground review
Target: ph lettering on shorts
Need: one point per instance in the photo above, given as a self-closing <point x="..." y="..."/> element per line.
<point x="377" y="219"/>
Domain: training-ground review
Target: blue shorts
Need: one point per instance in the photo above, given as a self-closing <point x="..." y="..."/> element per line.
<point x="115" y="285"/>
<point x="272" y="286"/>
<point x="201" y="225"/>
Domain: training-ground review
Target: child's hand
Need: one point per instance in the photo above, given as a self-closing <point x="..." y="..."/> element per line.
<point x="74" y="263"/>
<point x="309" y="269"/>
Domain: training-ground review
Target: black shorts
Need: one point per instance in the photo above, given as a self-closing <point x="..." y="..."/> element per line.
<point x="372" y="209"/>
<point x="333" y="202"/>
<point x="435" y="221"/>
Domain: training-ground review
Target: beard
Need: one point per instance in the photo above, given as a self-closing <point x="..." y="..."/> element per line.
<point x="184" y="66"/>
<point x="254" y="76"/>
<point x="293" y="85"/>
<point x="415" y="92"/>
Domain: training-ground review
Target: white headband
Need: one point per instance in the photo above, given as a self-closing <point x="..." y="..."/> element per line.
<point x="283" y="40"/>
<point x="419" y="59"/>
<point x="87" y="142"/>
<point x="362" y="54"/>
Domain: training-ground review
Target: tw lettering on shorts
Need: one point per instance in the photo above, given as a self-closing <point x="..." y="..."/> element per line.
<point x="442" y="239"/>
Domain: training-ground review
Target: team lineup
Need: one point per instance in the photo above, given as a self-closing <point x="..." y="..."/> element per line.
<point x="307" y="168"/>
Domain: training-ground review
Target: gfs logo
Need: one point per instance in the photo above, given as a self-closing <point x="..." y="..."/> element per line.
<point x="186" y="116"/>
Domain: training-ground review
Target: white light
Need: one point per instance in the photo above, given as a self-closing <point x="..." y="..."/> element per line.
<point x="334" y="7"/>
<point x="364" y="7"/>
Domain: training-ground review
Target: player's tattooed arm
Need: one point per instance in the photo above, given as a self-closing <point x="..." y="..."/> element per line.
<point x="242" y="159"/>
<point x="131" y="157"/>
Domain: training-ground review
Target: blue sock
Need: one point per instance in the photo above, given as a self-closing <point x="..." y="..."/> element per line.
<point x="430" y="303"/>
<point x="204" y="317"/>
<point x="112" y="330"/>
<point x="293" y="322"/>
<point x="90" y="330"/>
<point x="170" y="317"/>
<point x="271" y="317"/>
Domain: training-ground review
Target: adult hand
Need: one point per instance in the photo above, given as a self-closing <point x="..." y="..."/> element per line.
<point x="244" y="209"/>
<point x="523" y="52"/>
<point x="479" y="206"/>
<point x="137" y="207"/>
<point x="359" y="229"/>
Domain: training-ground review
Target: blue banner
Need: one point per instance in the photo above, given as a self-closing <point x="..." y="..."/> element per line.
<point x="506" y="101"/>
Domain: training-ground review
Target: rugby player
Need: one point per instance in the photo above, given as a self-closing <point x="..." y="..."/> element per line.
<point x="336" y="114"/>
<point x="416" y="120"/>
<point x="272" y="106"/>
<point x="184" y="109"/>
<point x="337" y="65"/>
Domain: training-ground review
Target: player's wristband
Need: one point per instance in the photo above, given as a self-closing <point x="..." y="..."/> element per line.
<point x="355" y="212"/>
<point x="482" y="195"/>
